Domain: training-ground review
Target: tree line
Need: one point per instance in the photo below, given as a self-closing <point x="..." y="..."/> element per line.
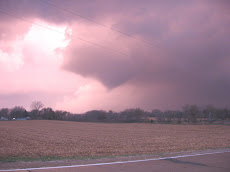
<point x="189" y="114"/>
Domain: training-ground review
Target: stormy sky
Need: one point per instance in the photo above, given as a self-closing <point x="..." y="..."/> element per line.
<point x="80" y="55"/>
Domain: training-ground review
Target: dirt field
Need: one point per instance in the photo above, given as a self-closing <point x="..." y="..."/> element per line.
<point x="37" y="139"/>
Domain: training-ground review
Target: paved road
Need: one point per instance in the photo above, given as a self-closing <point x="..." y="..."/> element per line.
<point x="209" y="162"/>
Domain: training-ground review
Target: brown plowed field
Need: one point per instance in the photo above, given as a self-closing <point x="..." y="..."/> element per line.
<point x="37" y="139"/>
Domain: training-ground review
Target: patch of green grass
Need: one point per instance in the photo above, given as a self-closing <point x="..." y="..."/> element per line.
<point x="48" y="158"/>
<point x="27" y="159"/>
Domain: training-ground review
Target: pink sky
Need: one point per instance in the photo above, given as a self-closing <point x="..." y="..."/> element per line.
<point x="186" y="62"/>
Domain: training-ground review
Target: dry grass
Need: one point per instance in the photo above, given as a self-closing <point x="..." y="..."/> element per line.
<point x="66" y="139"/>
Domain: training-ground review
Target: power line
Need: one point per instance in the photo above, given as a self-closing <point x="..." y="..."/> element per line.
<point x="89" y="42"/>
<point x="100" y="24"/>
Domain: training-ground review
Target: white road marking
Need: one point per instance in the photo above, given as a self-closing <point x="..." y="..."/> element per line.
<point x="110" y="163"/>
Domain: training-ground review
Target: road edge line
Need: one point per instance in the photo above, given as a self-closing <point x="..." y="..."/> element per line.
<point x="116" y="162"/>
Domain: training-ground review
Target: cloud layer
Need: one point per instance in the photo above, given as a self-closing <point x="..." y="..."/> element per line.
<point x="186" y="59"/>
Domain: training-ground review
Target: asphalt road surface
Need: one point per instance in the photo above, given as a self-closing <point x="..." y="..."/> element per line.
<point x="200" y="162"/>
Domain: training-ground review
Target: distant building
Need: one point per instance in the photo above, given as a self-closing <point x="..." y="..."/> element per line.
<point x="3" y="119"/>
<point x="22" y="119"/>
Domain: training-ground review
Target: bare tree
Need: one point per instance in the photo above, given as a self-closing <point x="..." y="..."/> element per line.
<point x="193" y="113"/>
<point x="36" y="105"/>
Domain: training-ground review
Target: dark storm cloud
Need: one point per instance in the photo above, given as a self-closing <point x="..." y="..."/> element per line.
<point x="110" y="71"/>
<point x="194" y="38"/>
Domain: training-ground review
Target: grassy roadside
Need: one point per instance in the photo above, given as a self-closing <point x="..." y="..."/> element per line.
<point x="53" y="158"/>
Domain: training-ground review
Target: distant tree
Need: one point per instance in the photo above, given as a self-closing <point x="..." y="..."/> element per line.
<point x="172" y="116"/>
<point x="18" y="112"/>
<point x="34" y="114"/>
<point x="158" y="114"/>
<point x="61" y="115"/>
<point x="155" y="112"/>
<point x="226" y="113"/>
<point x="48" y="113"/>
<point x="110" y="115"/>
<point x="102" y="116"/>
<point x="193" y="113"/>
<point x="178" y="115"/>
<point x="5" y="112"/>
<point x="168" y="114"/>
<point x="185" y="112"/>
<point x="138" y="114"/>
<point x="36" y="105"/>
<point x="211" y="110"/>
<point x="95" y="115"/>
<point x="73" y="117"/>
<point x="220" y="113"/>
<point x="132" y="115"/>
